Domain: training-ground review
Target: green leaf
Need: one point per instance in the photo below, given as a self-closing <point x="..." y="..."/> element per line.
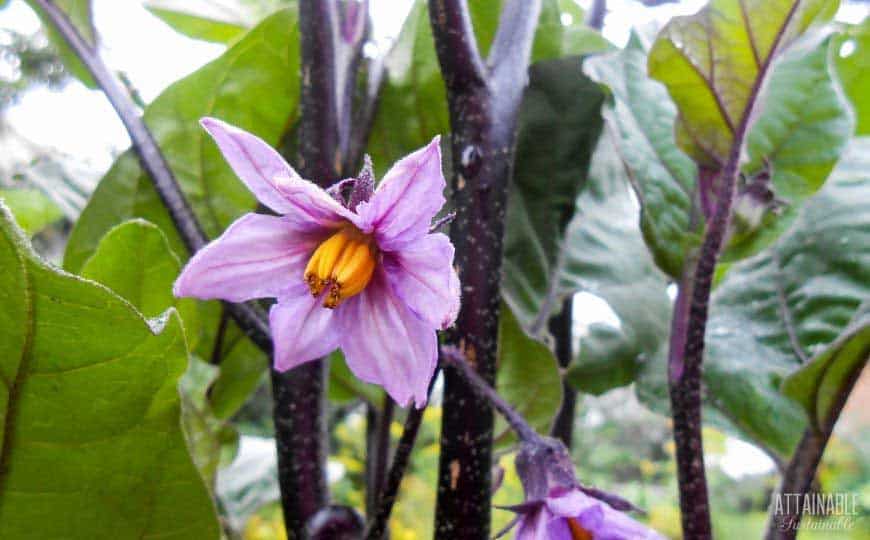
<point x="80" y="14"/>
<point x="713" y="61"/>
<point x="577" y="37"/>
<point x="413" y="106"/>
<point x="253" y="85"/>
<point x="553" y="39"/>
<point x="642" y="119"/>
<point x="802" y="129"/>
<point x="818" y="274"/>
<point x="243" y="368"/>
<point x="219" y="22"/>
<point x="92" y="446"/>
<point x="605" y="255"/>
<point x="608" y="359"/>
<point x="32" y="209"/>
<point x="527" y="377"/>
<point x="559" y="123"/>
<point x="813" y="280"/>
<point x="822" y="383"/>
<point x="135" y="261"/>
<point x="854" y="68"/>
<point x="212" y="441"/>
<point x="345" y="387"/>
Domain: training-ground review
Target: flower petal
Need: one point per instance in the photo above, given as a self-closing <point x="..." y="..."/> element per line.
<point x="533" y="526"/>
<point x="387" y="344"/>
<point x="312" y="208"/>
<point x="597" y="517"/>
<point x="571" y="503"/>
<point x="409" y="196"/>
<point x="616" y="525"/>
<point x="255" y="162"/>
<point x="424" y="278"/>
<point x="302" y="329"/>
<point x="257" y="256"/>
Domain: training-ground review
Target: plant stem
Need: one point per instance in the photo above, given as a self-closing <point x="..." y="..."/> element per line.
<point x="453" y="357"/>
<point x="801" y="470"/>
<point x="377" y="449"/>
<point x="365" y="115"/>
<point x="387" y="496"/>
<point x="690" y="323"/>
<point x="217" y="351"/>
<point x="329" y="63"/>
<point x="561" y="328"/>
<point x="596" y="14"/>
<point x="685" y="392"/>
<point x="483" y="101"/>
<point x="299" y="407"/>
<point x="152" y="161"/>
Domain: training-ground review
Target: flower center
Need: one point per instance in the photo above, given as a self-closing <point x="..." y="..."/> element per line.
<point x="344" y="263"/>
<point x="577" y="530"/>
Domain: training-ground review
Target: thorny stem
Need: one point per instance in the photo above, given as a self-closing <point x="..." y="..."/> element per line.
<point x="484" y="100"/>
<point x="688" y="327"/>
<point x="251" y="322"/>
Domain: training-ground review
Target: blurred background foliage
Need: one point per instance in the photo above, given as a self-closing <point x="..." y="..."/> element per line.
<point x="622" y="439"/>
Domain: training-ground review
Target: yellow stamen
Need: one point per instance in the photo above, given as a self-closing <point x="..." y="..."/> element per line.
<point x="577" y="530"/>
<point x="345" y="263"/>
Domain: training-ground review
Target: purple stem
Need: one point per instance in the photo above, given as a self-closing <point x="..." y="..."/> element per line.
<point x="378" y="424"/>
<point x="483" y="101"/>
<point x="686" y="361"/>
<point x="329" y="65"/>
<point x="387" y="497"/>
<point x="402" y="456"/>
<point x="596" y="14"/>
<point x="800" y="473"/>
<point x="453" y="357"/>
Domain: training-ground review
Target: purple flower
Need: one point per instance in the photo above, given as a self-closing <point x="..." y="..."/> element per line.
<point x="571" y="514"/>
<point x="365" y="275"/>
<point x="557" y="507"/>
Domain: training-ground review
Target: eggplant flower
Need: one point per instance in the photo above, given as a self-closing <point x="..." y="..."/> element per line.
<point x="558" y="507"/>
<point x="351" y="267"/>
<point x="571" y="514"/>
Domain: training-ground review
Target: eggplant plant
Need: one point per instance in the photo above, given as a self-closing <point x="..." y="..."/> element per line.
<point x="406" y="231"/>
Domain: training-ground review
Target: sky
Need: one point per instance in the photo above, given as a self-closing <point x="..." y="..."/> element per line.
<point x="79" y="122"/>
